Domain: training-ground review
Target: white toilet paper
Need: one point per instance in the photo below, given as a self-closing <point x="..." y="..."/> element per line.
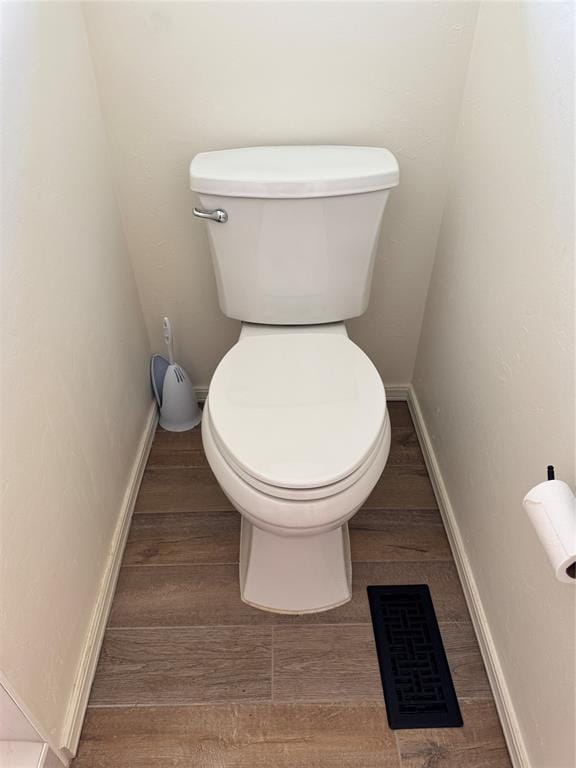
<point x="551" y="506"/>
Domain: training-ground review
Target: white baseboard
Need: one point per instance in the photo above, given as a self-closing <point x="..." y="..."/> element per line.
<point x="201" y="393"/>
<point x="397" y="392"/>
<point x="393" y="392"/>
<point x="503" y="700"/>
<point x="70" y="735"/>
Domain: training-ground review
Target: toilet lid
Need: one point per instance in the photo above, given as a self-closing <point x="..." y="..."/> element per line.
<point x="297" y="410"/>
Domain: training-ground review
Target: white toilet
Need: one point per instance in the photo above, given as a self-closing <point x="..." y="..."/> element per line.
<point x="295" y="426"/>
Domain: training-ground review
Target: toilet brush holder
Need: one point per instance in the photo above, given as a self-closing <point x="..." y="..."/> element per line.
<point x="179" y="410"/>
<point x="174" y="392"/>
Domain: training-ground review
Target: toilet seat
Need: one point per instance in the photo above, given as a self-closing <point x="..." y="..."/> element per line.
<point x="297" y="416"/>
<point x="291" y="517"/>
<point x="303" y="494"/>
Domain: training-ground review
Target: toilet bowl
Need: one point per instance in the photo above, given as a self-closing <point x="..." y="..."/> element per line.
<point x="295" y="425"/>
<point x="297" y="433"/>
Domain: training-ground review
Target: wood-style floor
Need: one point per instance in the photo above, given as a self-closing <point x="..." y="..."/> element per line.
<point x="190" y="677"/>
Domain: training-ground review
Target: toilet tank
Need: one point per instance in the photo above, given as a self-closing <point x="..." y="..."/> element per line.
<point x="301" y="226"/>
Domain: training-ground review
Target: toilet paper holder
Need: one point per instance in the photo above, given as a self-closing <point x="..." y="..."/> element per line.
<point x="551" y="507"/>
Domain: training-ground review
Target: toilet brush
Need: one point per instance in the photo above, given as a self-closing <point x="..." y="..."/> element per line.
<point x="173" y="389"/>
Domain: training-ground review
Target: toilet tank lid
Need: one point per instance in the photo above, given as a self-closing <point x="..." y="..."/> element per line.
<point x="294" y="171"/>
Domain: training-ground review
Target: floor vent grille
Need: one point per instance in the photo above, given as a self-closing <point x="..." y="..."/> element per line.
<point x="418" y="687"/>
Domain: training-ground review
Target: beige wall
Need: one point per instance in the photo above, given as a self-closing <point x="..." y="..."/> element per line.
<point x="495" y="368"/>
<point x="75" y="394"/>
<point x="494" y="372"/>
<point x="179" y="78"/>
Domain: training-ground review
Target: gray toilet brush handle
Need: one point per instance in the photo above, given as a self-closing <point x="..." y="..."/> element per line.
<point x="167" y="330"/>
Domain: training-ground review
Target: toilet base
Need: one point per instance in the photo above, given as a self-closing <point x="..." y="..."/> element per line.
<point x="295" y="574"/>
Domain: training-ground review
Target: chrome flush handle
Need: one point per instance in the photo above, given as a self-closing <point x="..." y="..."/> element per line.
<point x="219" y="215"/>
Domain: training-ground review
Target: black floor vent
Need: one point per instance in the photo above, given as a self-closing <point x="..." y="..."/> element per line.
<point x="418" y="687"/>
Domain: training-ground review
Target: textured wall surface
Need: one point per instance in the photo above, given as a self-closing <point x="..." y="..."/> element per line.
<point x="179" y="78"/>
<point x="75" y="394"/>
<point x="495" y="363"/>
<point x="495" y="369"/>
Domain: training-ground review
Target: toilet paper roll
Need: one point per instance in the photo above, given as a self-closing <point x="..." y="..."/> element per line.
<point x="551" y="506"/>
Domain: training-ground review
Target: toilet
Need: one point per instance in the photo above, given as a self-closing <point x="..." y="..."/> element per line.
<point x="295" y="425"/>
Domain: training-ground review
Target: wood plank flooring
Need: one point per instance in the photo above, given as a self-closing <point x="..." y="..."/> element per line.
<point x="191" y="676"/>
